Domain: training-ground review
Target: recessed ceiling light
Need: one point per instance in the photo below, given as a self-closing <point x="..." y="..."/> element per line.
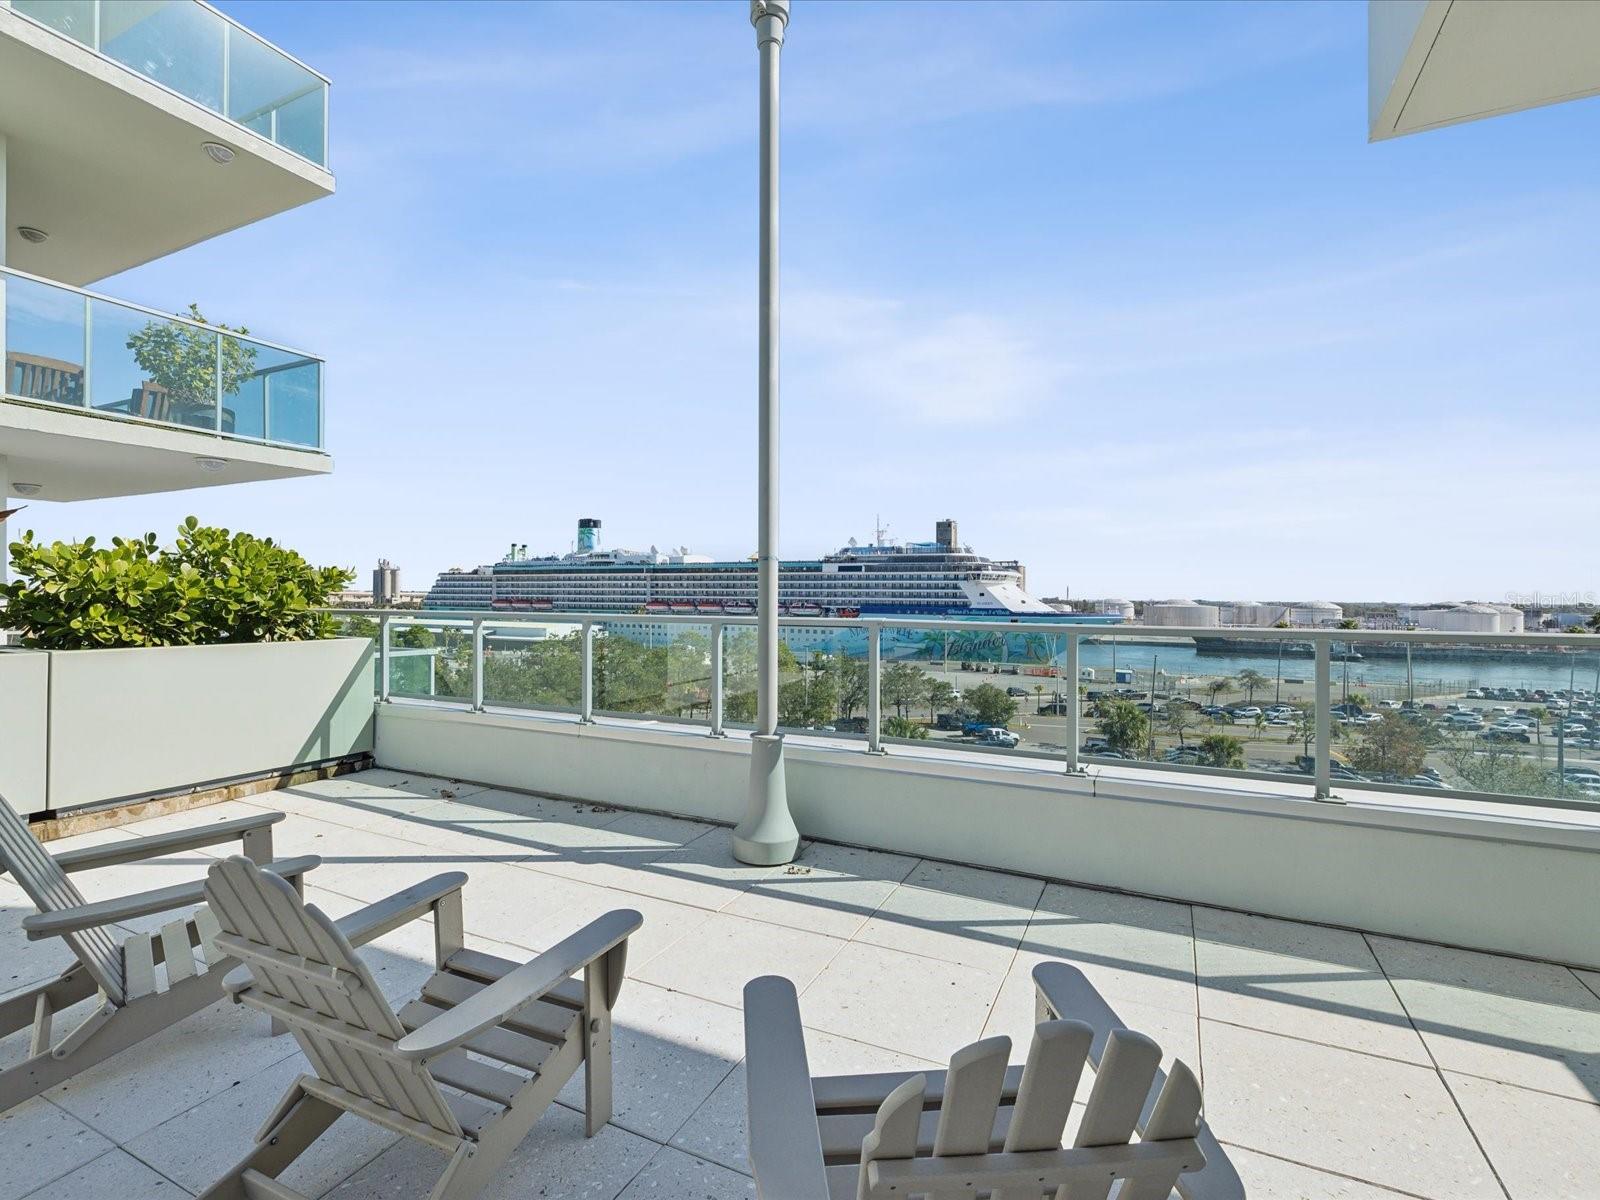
<point x="25" y="489"/>
<point x="210" y="464"/>
<point x="29" y="234"/>
<point x="218" y="153"/>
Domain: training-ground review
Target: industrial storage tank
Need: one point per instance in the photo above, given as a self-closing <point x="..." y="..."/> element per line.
<point x="1115" y="608"/>
<point x="1251" y="612"/>
<point x="1512" y="618"/>
<point x="1180" y="613"/>
<point x="1458" y="618"/>
<point x="1314" y="614"/>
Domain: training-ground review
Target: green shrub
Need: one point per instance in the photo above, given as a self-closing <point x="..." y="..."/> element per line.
<point x="211" y="586"/>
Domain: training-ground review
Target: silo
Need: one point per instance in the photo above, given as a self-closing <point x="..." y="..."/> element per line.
<point x="1122" y="609"/>
<point x="1314" y="614"/>
<point x="385" y="583"/>
<point x="1182" y="613"/>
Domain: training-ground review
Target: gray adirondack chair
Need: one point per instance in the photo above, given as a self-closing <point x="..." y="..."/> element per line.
<point x="528" y="1027"/>
<point x="145" y="981"/>
<point x="981" y="1127"/>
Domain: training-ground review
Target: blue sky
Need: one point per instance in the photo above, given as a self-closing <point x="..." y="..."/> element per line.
<point x="1121" y="287"/>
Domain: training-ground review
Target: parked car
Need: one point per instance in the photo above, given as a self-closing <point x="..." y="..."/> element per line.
<point x="1503" y="735"/>
<point x="1016" y="691"/>
<point x="995" y="736"/>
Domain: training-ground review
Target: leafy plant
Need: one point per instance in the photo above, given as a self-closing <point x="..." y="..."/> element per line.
<point x="904" y="727"/>
<point x="990" y="704"/>
<point x="1221" y="750"/>
<point x="184" y="360"/>
<point x="1125" y="726"/>
<point x="211" y="586"/>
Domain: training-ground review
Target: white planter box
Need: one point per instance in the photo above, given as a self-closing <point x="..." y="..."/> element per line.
<point x="24" y="697"/>
<point x="130" y="722"/>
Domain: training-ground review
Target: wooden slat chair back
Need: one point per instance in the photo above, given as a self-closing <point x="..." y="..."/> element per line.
<point x="1009" y="1146"/>
<point x="50" y="889"/>
<point x="324" y="992"/>
<point x="466" y="1067"/>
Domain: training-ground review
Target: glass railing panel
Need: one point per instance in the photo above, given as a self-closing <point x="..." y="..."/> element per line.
<point x="739" y="677"/>
<point x="153" y="368"/>
<point x="199" y="54"/>
<point x="1147" y="698"/>
<point x="75" y="18"/>
<point x="44" y="341"/>
<point x="270" y="393"/>
<point x="430" y="660"/>
<point x="974" y="688"/>
<point x="275" y="96"/>
<point x="177" y="43"/>
<point x="822" y="680"/>
<point x="1519" y="722"/>
<point x="534" y="665"/>
<point x="653" y="668"/>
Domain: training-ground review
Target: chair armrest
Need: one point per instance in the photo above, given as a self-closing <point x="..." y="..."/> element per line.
<point x="377" y="919"/>
<point x="157" y="844"/>
<point x="123" y="908"/>
<point x="785" y="1139"/>
<point x="1063" y="991"/>
<point x="516" y="989"/>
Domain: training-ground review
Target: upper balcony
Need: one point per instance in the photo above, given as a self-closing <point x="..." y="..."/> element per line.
<point x="115" y="115"/>
<point x="105" y="398"/>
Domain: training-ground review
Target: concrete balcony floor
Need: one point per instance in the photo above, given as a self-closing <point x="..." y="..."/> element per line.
<point x="1335" y="1064"/>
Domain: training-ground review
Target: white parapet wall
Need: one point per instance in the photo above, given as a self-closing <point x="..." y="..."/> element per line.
<point x="24" y="697"/>
<point x="1479" y="880"/>
<point x="92" y="726"/>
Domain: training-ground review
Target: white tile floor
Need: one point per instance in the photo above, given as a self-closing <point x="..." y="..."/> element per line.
<point x="1335" y="1064"/>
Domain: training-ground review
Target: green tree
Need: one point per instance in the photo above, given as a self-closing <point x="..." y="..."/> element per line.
<point x="904" y="727"/>
<point x="903" y="685"/>
<point x="1391" y="746"/>
<point x="1220" y="686"/>
<point x="183" y="361"/>
<point x="412" y="637"/>
<point x="1125" y="726"/>
<point x="1305" y="726"/>
<point x="990" y="704"/>
<point x="1250" y="680"/>
<point x="1594" y="621"/>
<point x="1221" y="750"/>
<point x="210" y="586"/>
<point x="852" y="681"/>
<point x="940" y="695"/>
<point x="1178" y="719"/>
<point x="1349" y="623"/>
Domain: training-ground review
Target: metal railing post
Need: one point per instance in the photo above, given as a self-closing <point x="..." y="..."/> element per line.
<point x="1074" y="767"/>
<point x="1323" y="777"/>
<point x="217" y="399"/>
<point x="477" y="665"/>
<point x="874" y="689"/>
<point x="586" y="642"/>
<point x="383" y="660"/>
<point x="716" y="680"/>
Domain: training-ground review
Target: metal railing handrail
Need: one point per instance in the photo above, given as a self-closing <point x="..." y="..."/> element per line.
<point x="1073" y="633"/>
<point x="1020" y="625"/>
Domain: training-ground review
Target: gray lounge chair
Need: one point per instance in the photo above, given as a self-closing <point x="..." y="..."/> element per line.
<point x="528" y="1028"/>
<point x="146" y="981"/>
<point x="981" y="1127"/>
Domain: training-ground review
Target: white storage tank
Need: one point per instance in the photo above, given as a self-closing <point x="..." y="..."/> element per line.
<point x="1512" y="618"/>
<point x="1458" y="618"/>
<point x="1314" y="614"/>
<point x="1251" y="612"/>
<point x="1115" y="608"/>
<point x="1181" y="613"/>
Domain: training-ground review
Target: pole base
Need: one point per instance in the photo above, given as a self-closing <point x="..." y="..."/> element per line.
<point x="767" y="837"/>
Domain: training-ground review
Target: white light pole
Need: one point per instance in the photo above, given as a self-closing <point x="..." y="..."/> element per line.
<point x="767" y="836"/>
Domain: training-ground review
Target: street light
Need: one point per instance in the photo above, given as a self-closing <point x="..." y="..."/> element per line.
<point x="767" y="836"/>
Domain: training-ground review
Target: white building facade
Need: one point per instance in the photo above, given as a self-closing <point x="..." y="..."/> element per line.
<point x="128" y="132"/>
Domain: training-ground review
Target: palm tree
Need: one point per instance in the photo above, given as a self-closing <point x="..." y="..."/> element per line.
<point x="1219" y="687"/>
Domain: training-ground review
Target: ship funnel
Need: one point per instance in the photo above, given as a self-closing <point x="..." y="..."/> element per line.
<point x="945" y="535"/>
<point x="588" y="534"/>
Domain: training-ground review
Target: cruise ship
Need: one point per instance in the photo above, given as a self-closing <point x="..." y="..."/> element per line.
<point x="941" y="579"/>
